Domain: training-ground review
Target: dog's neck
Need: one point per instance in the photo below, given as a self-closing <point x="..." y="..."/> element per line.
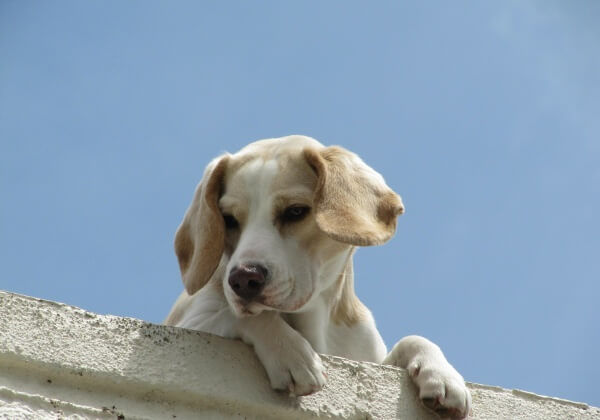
<point x="337" y="301"/>
<point x="336" y="306"/>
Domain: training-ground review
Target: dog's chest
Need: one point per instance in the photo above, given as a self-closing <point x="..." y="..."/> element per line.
<point x="361" y="341"/>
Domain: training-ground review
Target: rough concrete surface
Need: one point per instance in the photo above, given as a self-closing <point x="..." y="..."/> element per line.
<point x="57" y="361"/>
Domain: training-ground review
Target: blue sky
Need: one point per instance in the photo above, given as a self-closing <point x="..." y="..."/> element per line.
<point x="482" y="115"/>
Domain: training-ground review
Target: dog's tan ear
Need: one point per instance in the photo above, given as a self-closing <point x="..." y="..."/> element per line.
<point x="352" y="202"/>
<point x="200" y="238"/>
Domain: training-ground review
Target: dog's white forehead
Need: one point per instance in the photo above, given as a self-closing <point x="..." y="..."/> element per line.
<point x="257" y="178"/>
<point x="275" y="146"/>
<point x="266" y="167"/>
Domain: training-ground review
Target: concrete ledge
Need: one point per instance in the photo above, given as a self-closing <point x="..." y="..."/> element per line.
<point x="57" y="361"/>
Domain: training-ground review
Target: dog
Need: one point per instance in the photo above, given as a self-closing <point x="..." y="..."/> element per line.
<point x="265" y="252"/>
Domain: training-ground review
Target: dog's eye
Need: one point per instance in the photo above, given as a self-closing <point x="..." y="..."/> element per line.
<point x="294" y="213"/>
<point x="230" y="221"/>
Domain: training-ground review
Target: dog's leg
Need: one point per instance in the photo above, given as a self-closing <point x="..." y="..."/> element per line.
<point x="441" y="387"/>
<point x="289" y="359"/>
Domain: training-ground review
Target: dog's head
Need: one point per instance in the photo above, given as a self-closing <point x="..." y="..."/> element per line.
<point x="282" y="216"/>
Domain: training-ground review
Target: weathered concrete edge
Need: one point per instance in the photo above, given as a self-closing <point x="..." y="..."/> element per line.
<point x="70" y="355"/>
<point x="105" y="365"/>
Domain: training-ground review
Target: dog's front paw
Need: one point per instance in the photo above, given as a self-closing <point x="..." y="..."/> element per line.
<point x="297" y="369"/>
<point x="441" y="388"/>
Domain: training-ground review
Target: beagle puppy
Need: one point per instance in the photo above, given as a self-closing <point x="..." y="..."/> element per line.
<point x="265" y="251"/>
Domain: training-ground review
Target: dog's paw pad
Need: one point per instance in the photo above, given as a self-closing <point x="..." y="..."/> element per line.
<point x="443" y="391"/>
<point x="437" y="405"/>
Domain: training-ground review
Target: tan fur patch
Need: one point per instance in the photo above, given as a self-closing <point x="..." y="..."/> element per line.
<point x="184" y="247"/>
<point x="352" y="202"/>
<point x="200" y="239"/>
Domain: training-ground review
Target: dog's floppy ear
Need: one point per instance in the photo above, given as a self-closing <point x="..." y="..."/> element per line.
<point x="200" y="238"/>
<point x="352" y="202"/>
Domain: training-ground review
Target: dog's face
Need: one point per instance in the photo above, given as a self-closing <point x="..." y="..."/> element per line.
<point x="282" y="215"/>
<point x="277" y="253"/>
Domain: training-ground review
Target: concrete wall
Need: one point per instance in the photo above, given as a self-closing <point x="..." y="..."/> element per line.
<point x="57" y="361"/>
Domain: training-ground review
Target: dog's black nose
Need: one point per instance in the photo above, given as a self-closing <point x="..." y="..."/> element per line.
<point x="247" y="281"/>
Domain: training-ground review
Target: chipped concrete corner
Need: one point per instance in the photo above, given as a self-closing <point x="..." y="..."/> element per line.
<point x="57" y="361"/>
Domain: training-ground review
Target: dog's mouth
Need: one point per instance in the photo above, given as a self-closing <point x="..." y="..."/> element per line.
<point x="265" y="303"/>
<point x="248" y="309"/>
<point x="246" y="312"/>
